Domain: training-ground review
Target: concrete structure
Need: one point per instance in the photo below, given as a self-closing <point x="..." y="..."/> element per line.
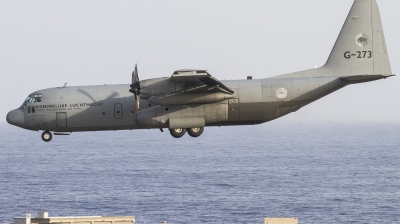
<point x="43" y="215"/>
<point x="23" y="220"/>
<point x="281" y="221"/>
<point x="43" y="218"/>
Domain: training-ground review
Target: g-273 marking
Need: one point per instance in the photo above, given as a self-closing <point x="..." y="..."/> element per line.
<point x="359" y="54"/>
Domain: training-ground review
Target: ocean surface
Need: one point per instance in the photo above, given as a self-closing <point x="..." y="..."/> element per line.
<point x="318" y="172"/>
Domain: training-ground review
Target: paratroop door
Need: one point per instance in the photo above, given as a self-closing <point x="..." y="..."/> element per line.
<point x="61" y="119"/>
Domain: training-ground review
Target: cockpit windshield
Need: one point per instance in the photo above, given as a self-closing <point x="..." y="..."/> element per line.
<point x="34" y="97"/>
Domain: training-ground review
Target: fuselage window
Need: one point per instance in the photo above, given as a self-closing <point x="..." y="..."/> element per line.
<point x="31" y="109"/>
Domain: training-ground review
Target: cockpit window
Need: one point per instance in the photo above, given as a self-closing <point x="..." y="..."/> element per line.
<point x="35" y="97"/>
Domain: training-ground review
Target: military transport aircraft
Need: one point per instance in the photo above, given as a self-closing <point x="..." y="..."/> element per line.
<point x="191" y="99"/>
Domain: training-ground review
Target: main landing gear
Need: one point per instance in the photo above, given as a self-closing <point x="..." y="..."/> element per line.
<point x="195" y="132"/>
<point x="179" y="132"/>
<point x="47" y="136"/>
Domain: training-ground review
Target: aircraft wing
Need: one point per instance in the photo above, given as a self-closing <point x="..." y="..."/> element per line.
<point x="199" y="80"/>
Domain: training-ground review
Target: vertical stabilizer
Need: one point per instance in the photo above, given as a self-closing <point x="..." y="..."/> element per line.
<point x="360" y="48"/>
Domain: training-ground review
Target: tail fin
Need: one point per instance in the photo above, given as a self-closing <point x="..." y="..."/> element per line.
<point x="360" y="48"/>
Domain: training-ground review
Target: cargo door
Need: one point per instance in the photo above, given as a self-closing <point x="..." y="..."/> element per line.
<point x="61" y="119"/>
<point x="118" y="111"/>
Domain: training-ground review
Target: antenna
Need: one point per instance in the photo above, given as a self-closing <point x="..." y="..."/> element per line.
<point x="26" y="206"/>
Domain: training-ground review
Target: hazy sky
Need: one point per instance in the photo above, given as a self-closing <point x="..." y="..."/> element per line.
<point x="47" y="43"/>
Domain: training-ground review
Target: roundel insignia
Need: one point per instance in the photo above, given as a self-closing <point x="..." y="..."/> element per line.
<point x="281" y="93"/>
<point x="362" y="39"/>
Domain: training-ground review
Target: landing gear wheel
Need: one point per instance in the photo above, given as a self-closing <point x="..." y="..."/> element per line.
<point x="177" y="132"/>
<point x="195" y="132"/>
<point x="47" y="136"/>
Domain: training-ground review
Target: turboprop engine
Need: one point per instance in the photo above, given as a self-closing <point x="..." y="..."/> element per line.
<point x="187" y="100"/>
<point x="157" y="86"/>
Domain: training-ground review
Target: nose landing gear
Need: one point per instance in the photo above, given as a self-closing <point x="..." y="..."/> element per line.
<point x="47" y="136"/>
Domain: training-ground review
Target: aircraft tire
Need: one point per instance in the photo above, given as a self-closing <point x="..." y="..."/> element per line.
<point x="47" y="136"/>
<point x="177" y="132"/>
<point x="195" y="132"/>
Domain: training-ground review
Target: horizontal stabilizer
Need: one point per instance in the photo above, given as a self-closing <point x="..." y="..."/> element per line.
<point x="363" y="78"/>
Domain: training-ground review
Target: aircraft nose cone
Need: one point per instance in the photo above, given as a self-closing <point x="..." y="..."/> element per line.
<point x="16" y="117"/>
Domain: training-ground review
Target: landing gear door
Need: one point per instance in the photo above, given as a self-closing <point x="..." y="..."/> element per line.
<point x="216" y="112"/>
<point x="233" y="109"/>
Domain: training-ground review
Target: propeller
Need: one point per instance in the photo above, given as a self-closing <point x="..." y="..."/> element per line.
<point x="135" y="87"/>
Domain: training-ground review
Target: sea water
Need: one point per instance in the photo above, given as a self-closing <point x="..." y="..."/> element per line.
<point x="318" y="172"/>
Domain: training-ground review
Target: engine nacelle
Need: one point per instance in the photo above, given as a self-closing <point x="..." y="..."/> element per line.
<point x="189" y="98"/>
<point x="158" y="86"/>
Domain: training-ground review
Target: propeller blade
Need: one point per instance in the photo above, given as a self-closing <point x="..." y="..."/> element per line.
<point x="137" y="104"/>
<point x="136" y="74"/>
<point x="135" y="86"/>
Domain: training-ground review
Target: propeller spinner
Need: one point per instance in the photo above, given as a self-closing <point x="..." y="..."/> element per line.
<point x="135" y="87"/>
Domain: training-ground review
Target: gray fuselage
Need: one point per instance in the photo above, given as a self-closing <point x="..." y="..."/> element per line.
<point x="90" y="108"/>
